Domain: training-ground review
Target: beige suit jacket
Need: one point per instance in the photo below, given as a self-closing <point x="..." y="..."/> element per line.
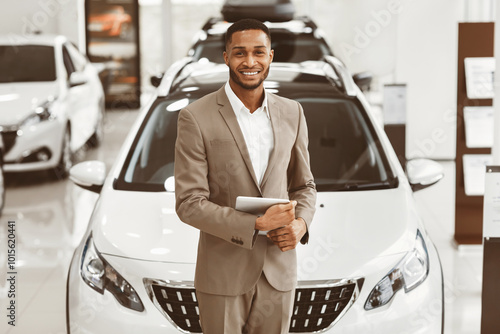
<point x="213" y="167"/>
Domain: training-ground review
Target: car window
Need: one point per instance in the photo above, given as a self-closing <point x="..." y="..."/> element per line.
<point x="344" y="150"/>
<point x="151" y="160"/>
<point x="27" y="63"/>
<point x="296" y="51"/>
<point x="288" y="47"/>
<point x="210" y="50"/>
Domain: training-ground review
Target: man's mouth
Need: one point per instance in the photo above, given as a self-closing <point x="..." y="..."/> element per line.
<point x="249" y="73"/>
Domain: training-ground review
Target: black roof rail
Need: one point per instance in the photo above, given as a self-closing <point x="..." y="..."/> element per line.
<point x="307" y="21"/>
<point x="343" y="76"/>
<point x="171" y="74"/>
<point x="210" y="22"/>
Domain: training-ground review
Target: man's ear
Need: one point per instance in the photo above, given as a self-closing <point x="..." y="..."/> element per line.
<point x="226" y="58"/>
<point x="271" y="54"/>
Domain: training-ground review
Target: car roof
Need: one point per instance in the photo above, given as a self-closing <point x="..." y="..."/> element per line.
<point x="300" y="27"/>
<point x="200" y="78"/>
<point x="301" y="24"/>
<point x="31" y="39"/>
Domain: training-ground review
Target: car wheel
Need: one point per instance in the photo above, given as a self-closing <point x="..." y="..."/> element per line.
<point x="65" y="163"/>
<point x="96" y="138"/>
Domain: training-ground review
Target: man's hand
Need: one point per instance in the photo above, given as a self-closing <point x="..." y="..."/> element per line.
<point x="276" y="216"/>
<point x="287" y="237"/>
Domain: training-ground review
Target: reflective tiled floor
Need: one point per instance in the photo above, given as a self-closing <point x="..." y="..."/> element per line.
<point x="51" y="217"/>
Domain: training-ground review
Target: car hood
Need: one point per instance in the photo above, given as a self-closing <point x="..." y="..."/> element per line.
<point x="17" y="100"/>
<point x="143" y="225"/>
<point x="349" y="229"/>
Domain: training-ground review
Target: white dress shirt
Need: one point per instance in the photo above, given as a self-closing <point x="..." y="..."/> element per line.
<point x="257" y="130"/>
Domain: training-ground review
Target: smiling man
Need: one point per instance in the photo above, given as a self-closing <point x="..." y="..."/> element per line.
<point x="244" y="141"/>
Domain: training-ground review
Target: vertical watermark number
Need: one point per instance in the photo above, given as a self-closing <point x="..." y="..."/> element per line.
<point x="11" y="273"/>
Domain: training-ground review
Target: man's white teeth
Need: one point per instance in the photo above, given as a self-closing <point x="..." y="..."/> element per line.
<point x="250" y="73"/>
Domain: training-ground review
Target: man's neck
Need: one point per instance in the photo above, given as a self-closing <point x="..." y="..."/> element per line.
<point x="251" y="98"/>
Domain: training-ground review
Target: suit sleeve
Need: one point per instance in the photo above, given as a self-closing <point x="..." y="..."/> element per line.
<point x="192" y="190"/>
<point x="301" y="185"/>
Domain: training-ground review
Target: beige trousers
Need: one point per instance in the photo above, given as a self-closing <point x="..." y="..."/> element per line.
<point x="262" y="310"/>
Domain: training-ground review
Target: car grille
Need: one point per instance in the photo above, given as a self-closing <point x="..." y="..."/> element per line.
<point x="317" y="307"/>
<point x="9" y="139"/>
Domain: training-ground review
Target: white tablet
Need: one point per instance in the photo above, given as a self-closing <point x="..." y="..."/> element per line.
<point x="257" y="205"/>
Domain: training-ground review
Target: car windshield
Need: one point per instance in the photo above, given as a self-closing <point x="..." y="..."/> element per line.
<point x="288" y="48"/>
<point x="27" y="63"/>
<point x="345" y="153"/>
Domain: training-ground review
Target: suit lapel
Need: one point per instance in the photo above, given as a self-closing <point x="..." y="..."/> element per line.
<point x="275" y="114"/>
<point x="232" y="123"/>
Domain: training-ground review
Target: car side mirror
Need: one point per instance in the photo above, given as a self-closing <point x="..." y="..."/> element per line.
<point x="170" y="184"/>
<point x="77" y="79"/>
<point x="363" y="80"/>
<point x="89" y="175"/>
<point x="156" y="79"/>
<point x="423" y="173"/>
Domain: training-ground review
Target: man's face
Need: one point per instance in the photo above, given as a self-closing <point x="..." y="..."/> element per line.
<point x="248" y="57"/>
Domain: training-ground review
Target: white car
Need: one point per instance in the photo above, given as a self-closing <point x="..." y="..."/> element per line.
<point x="51" y="102"/>
<point x="2" y="180"/>
<point x="369" y="266"/>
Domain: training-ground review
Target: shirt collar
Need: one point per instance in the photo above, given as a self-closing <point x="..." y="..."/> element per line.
<point x="237" y="105"/>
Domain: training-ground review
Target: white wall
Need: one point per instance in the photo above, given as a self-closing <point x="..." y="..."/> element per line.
<point x="19" y="18"/>
<point x="402" y="41"/>
<point x="427" y="61"/>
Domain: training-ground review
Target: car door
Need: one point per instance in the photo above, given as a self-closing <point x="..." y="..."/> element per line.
<point x="81" y="110"/>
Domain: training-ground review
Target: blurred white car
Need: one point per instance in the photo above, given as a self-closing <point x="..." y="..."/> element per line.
<point x="51" y="103"/>
<point x="369" y="266"/>
<point x="2" y="180"/>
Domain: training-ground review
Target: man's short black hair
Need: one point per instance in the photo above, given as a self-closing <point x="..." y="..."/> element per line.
<point x="245" y="24"/>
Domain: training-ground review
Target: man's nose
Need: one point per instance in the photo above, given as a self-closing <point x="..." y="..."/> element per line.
<point x="250" y="60"/>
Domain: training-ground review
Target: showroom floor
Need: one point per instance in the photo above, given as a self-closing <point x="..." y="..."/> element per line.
<point x="51" y="217"/>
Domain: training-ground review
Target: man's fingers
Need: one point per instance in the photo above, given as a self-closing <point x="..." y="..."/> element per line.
<point x="291" y="205"/>
<point x="283" y="240"/>
<point x="277" y="232"/>
<point x="287" y="206"/>
<point x="284" y="244"/>
<point x="287" y="248"/>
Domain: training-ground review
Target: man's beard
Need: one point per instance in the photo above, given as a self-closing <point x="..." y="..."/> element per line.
<point x="237" y="81"/>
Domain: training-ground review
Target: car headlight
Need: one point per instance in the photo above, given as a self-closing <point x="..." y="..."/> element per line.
<point x="100" y="276"/>
<point x="409" y="273"/>
<point x="41" y="113"/>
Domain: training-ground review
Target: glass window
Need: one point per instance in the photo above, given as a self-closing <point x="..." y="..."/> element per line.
<point x="287" y="47"/>
<point x="27" y="63"/>
<point x="151" y="160"/>
<point x="345" y="153"/>
<point x="344" y="150"/>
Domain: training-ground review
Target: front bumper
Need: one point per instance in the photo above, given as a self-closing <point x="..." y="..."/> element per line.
<point x="419" y="311"/>
<point x="46" y="136"/>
